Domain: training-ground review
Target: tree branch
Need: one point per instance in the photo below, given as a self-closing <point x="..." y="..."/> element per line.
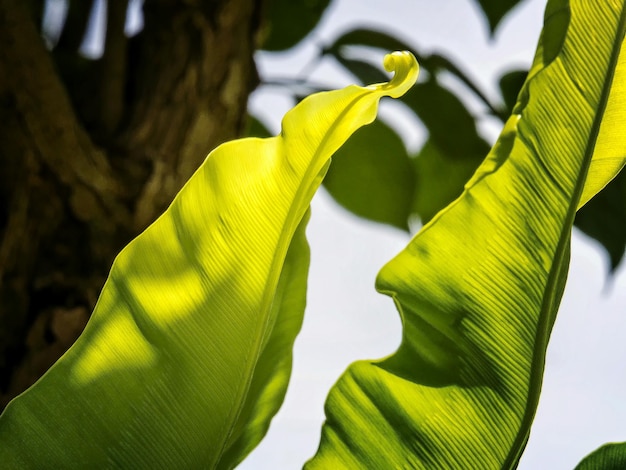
<point x="190" y="72"/>
<point x="66" y="206"/>
<point x="42" y="105"/>
<point x="112" y="79"/>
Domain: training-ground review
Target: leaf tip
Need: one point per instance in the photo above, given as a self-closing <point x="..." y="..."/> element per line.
<point x="405" y="68"/>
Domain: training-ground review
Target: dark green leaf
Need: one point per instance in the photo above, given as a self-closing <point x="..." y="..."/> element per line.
<point x="364" y="71"/>
<point x="555" y="22"/>
<point x="439" y="179"/>
<point x="510" y="85"/>
<point x="289" y="21"/>
<point x="604" y="218"/>
<point x="436" y="62"/>
<point x="255" y="128"/>
<point x="455" y="149"/>
<point x="371" y="176"/>
<point x="380" y="40"/>
<point x="495" y="10"/>
<point x="451" y="126"/>
<point x="369" y="38"/>
<point x="608" y="457"/>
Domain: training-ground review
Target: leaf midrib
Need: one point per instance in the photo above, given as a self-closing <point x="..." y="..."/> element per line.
<point x="286" y="235"/>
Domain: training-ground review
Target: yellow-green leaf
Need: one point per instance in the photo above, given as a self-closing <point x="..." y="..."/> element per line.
<point x="187" y="354"/>
<point x="604" y="218"/>
<point x="610" y="150"/>
<point x="479" y="287"/>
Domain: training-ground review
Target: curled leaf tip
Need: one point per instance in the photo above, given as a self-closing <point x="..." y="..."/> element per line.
<point x="405" y="68"/>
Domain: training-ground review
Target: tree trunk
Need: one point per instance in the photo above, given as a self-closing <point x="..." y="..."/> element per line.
<point x="91" y="151"/>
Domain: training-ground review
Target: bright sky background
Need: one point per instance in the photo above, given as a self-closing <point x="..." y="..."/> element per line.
<point x="581" y="405"/>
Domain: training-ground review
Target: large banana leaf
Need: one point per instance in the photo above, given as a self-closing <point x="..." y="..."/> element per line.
<point x="603" y="218"/>
<point x="188" y="352"/>
<point x="479" y="287"/>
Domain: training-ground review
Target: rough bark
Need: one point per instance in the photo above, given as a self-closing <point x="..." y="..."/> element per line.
<point x="92" y="151"/>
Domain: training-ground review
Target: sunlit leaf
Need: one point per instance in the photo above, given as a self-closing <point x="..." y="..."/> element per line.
<point x="187" y="354"/>
<point x="445" y="164"/>
<point x="271" y="375"/>
<point x="479" y="287"/>
<point x="372" y="176"/>
<point x="604" y="216"/>
<point x="288" y="22"/>
<point x="609" y="153"/>
<point x="608" y="457"/>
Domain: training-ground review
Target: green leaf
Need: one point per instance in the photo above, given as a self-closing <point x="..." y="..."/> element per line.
<point x="609" y="153"/>
<point x="372" y="176"/>
<point x="363" y="71"/>
<point x="604" y="218"/>
<point x="510" y="86"/>
<point x="289" y="22"/>
<point x="608" y="457"/>
<point x="362" y="38"/>
<point x="441" y="111"/>
<point x="479" y="287"/>
<point x="256" y="128"/>
<point x="365" y="37"/>
<point x="451" y="127"/>
<point x="186" y="356"/>
<point x="439" y="179"/>
<point x="271" y="376"/>
<point x="495" y="10"/>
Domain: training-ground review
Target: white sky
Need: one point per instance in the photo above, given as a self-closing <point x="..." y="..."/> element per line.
<point x="581" y="405"/>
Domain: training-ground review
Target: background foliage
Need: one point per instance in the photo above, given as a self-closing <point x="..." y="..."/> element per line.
<point x="445" y="163"/>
